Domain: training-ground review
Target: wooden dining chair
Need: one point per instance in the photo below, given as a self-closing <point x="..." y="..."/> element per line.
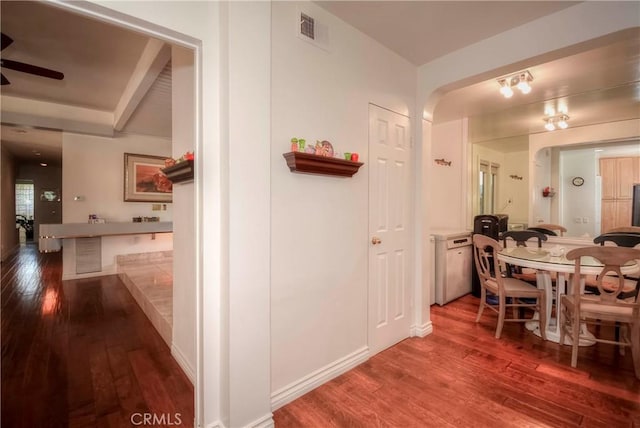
<point x="578" y="307"/>
<point x="631" y="286"/>
<point x="625" y="229"/>
<point x="553" y="227"/>
<point x="543" y="231"/>
<point x="510" y="292"/>
<point x="521" y="237"/>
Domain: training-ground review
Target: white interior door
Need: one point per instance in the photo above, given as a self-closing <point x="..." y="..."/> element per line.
<point x="389" y="231"/>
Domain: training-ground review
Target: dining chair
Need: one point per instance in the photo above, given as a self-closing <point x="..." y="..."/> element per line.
<point x="578" y="307"/>
<point x="543" y="231"/>
<point x="521" y="237"/>
<point x="510" y="292"/>
<point x="625" y="229"/>
<point x="631" y="285"/>
<point x="553" y="227"/>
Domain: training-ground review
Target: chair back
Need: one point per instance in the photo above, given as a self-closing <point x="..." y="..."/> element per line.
<point x="543" y="231"/>
<point x="621" y="239"/>
<point x="625" y="229"/>
<point x="487" y="264"/>
<point x="522" y="236"/>
<point x="552" y="227"/>
<point x="613" y="258"/>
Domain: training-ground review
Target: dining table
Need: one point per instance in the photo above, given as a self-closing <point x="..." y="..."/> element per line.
<point x="548" y="260"/>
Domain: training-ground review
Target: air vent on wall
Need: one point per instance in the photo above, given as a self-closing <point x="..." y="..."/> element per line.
<point x="307" y="26"/>
<point x="312" y="29"/>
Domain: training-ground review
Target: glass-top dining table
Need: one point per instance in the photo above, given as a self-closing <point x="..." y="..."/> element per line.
<point x="542" y="260"/>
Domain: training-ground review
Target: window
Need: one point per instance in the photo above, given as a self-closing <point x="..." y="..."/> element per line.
<point x="24" y="199"/>
<point x="487" y="187"/>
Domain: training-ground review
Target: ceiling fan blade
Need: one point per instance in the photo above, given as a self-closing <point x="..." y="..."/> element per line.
<point x="31" y="69"/>
<point x="6" y="41"/>
<point x="5" y="81"/>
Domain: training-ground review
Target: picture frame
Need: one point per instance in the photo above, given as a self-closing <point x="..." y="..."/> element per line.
<point x="143" y="179"/>
<point x="50" y="195"/>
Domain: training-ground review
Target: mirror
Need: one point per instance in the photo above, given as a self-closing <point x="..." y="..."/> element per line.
<point x="574" y="174"/>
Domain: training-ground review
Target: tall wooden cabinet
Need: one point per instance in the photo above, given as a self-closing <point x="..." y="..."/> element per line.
<point x="618" y="177"/>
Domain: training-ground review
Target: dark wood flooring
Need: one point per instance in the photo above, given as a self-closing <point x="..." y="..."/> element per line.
<point x="81" y="353"/>
<point x="461" y="376"/>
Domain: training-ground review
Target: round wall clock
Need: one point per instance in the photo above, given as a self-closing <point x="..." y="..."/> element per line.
<point x="577" y="181"/>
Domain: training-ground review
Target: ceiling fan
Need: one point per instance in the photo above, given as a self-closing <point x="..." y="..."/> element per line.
<point x="23" y="67"/>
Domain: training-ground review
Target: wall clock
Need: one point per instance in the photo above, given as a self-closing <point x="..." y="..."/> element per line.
<point x="577" y="181"/>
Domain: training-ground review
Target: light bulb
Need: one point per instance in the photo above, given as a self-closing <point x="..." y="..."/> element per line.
<point x="563" y="124"/>
<point x="549" y="126"/>
<point x="506" y="90"/>
<point x="523" y="84"/>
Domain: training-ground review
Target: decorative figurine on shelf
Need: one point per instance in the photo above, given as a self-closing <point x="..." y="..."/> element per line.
<point x="301" y="144"/>
<point x="324" y="148"/>
<point x="294" y="144"/>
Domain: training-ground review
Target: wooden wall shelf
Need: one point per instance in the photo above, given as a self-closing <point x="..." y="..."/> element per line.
<point x="312" y="164"/>
<point x="182" y="171"/>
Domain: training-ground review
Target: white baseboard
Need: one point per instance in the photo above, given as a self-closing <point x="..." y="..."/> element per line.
<point x="422" y="330"/>
<point x="183" y="363"/>
<point x="264" y="422"/>
<point x="300" y="387"/>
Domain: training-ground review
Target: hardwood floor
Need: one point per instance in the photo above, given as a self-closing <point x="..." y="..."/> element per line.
<point x="461" y="376"/>
<point x="82" y="353"/>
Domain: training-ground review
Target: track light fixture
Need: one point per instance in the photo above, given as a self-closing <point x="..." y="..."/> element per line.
<point x="519" y="80"/>
<point x="559" y="120"/>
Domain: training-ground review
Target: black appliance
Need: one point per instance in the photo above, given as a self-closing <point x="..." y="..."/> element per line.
<point x="635" y="214"/>
<point x="488" y="225"/>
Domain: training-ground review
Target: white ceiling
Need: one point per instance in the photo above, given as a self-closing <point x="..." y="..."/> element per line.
<point x="99" y="60"/>
<point x="421" y="31"/>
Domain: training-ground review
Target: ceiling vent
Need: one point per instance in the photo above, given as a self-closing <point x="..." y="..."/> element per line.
<point x="312" y="30"/>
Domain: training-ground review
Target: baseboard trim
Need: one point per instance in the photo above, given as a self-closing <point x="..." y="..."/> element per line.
<point x="264" y="422"/>
<point x="422" y="330"/>
<point x="182" y="361"/>
<point x="300" y="387"/>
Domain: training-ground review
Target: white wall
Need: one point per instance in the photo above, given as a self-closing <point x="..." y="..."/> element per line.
<point x="579" y="204"/>
<point x="448" y="191"/>
<point x="183" y="129"/>
<point x="319" y="224"/>
<point x="513" y="189"/>
<point x="93" y="167"/>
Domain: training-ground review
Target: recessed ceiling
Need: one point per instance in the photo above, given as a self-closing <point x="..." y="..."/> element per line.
<point x="101" y="66"/>
<point x="32" y="145"/>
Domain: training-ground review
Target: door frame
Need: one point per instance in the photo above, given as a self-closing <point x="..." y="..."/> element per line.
<point x="113" y="17"/>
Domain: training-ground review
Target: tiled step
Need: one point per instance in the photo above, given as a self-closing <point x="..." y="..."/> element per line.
<point x="149" y="278"/>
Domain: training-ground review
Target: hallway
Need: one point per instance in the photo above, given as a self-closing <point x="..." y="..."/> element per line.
<point x="82" y="353"/>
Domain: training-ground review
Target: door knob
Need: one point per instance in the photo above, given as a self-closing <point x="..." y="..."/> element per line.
<point x="375" y="240"/>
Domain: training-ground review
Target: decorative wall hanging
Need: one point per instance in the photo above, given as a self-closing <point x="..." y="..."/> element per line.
<point x="442" y="162"/>
<point x="144" y="180"/>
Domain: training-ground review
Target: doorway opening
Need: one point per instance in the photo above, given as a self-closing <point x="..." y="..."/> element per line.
<point x="24" y="210"/>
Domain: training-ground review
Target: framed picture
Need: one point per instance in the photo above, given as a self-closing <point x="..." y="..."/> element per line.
<point x="144" y="180"/>
<point x="50" y="195"/>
